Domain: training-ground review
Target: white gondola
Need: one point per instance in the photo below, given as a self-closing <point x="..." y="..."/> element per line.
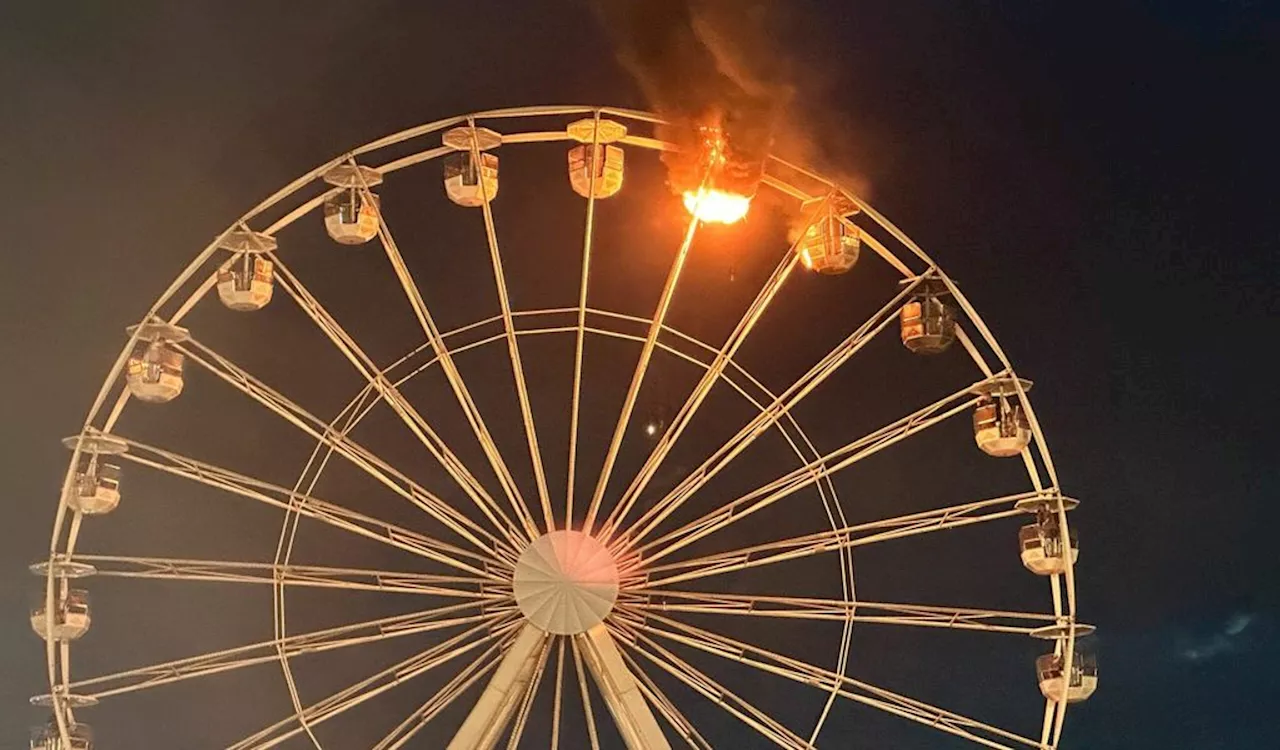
<point x="351" y="213"/>
<point x="95" y="489"/>
<point x="1000" y="425"/>
<point x="48" y="737"/>
<point x="830" y="244"/>
<point x="246" y="283"/>
<point x="1054" y="683"/>
<point x="1040" y="546"/>
<point x="596" y="153"/>
<point x="71" y="616"/>
<point x="470" y="182"/>
<point x="153" y="372"/>
<point x="927" y="321"/>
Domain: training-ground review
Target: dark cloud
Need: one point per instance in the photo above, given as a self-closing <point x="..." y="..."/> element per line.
<point x="1229" y="638"/>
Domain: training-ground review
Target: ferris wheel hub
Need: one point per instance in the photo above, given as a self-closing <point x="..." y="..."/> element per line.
<point x="566" y="582"/>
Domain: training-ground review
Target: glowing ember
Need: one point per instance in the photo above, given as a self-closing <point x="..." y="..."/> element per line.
<point x="716" y="205"/>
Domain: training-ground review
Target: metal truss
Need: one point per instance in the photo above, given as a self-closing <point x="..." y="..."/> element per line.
<point x="466" y="622"/>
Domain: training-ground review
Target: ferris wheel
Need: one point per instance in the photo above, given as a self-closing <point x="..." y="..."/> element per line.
<point x="597" y="528"/>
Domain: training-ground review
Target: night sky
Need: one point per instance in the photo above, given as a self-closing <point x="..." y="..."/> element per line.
<point x="1098" y="177"/>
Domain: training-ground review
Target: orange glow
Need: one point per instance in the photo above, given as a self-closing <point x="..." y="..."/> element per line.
<point x="716" y="205"/>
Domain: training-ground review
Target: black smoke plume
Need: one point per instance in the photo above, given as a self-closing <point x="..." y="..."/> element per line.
<point x="710" y="68"/>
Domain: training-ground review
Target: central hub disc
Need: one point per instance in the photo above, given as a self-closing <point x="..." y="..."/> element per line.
<point x="566" y="582"/>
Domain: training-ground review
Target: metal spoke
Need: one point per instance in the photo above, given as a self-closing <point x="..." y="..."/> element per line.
<point x="513" y="346"/>
<point x="588" y="232"/>
<point x="559" y="687"/>
<point x="839" y="610"/>
<point x="306" y="576"/>
<point x="412" y="419"/>
<point x="586" y="696"/>
<point x="700" y="392"/>
<point x="377" y="684"/>
<point x="870" y="240"/>
<point x="833" y="540"/>
<point x="325" y="512"/>
<point x="724" y="356"/>
<point x="713" y="691"/>
<point x="394" y="480"/>
<point x="666" y="707"/>
<point x="826" y="680"/>
<point x="642" y="366"/>
<point x="804" y="476"/>
<point x="263" y="652"/>
<point x="461" y="683"/>
<point x="766" y="419"/>
<point x="463" y="395"/>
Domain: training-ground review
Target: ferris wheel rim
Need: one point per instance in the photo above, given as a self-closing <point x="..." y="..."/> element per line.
<point x="71" y="527"/>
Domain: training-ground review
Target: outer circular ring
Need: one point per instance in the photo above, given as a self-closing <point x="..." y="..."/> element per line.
<point x="790" y="179"/>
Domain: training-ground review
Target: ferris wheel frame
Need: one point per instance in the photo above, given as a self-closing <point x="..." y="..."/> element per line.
<point x="788" y="179"/>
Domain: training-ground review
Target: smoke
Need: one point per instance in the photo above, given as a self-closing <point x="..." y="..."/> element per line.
<point x="724" y="66"/>
<point x="1225" y="640"/>
<point x="706" y="66"/>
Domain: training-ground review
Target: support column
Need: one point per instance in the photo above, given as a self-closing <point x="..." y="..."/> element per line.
<point x="639" y="728"/>
<point x="488" y="719"/>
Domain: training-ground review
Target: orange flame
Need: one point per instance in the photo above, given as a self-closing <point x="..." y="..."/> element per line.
<point x="712" y="205"/>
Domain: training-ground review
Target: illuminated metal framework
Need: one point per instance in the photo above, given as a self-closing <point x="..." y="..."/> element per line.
<point x="515" y="597"/>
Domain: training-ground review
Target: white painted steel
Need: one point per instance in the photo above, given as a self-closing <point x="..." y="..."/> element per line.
<point x="487" y="722"/>
<point x="621" y="692"/>
<point x="566" y="582"/>
<point x="622" y="618"/>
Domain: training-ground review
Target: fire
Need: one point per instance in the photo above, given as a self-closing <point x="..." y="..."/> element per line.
<point x="718" y="206"/>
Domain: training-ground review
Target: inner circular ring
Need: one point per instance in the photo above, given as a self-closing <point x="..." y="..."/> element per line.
<point x="607" y="324"/>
